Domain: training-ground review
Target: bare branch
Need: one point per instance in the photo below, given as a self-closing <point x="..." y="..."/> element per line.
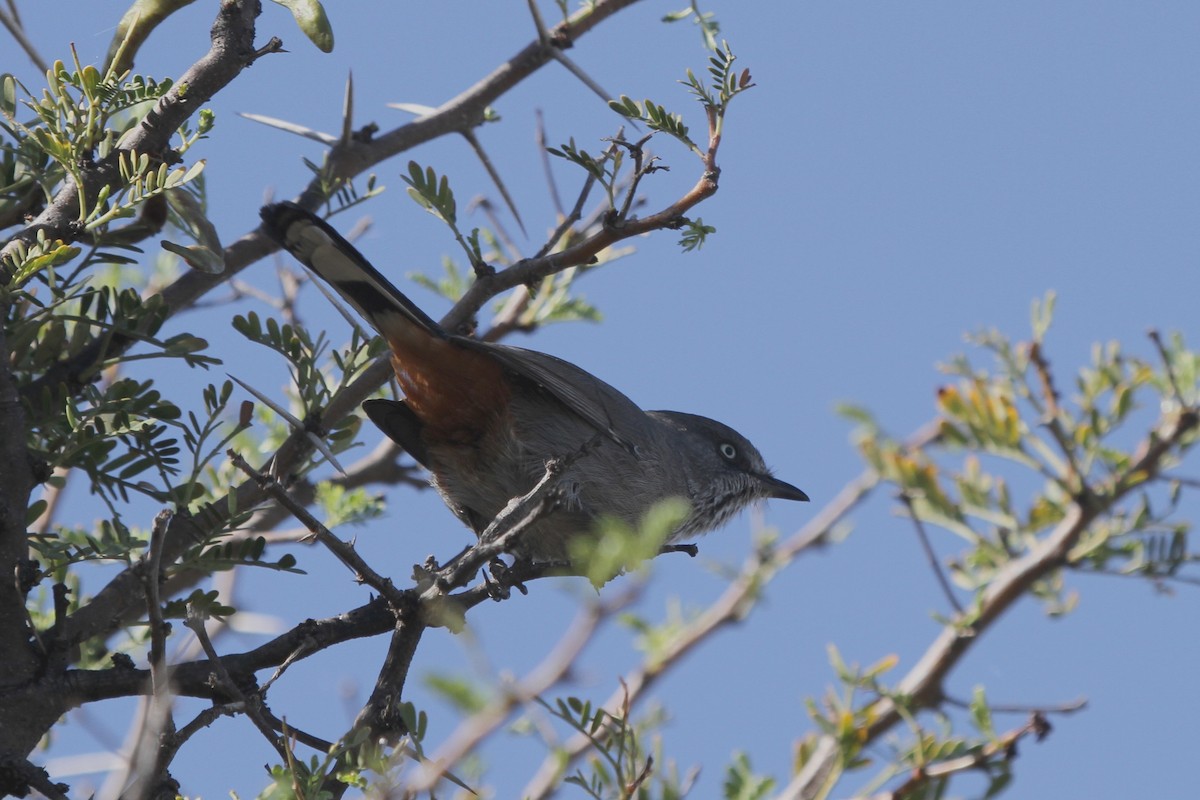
<point x="930" y="556"/>
<point x="1003" y="708"/>
<point x="192" y="678"/>
<point x="12" y="23"/>
<point x="250" y="705"/>
<point x="541" y="146"/>
<point x="494" y="174"/>
<point x="381" y="713"/>
<point x="1166" y="359"/>
<point x="21" y="776"/>
<point x="344" y="551"/>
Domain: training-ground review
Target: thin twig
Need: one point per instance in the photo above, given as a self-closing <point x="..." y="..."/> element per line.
<point x="206" y="717"/>
<point x="1158" y="580"/>
<point x="13" y="23"/>
<point x="488" y="208"/>
<point x="641" y="168"/>
<point x="1001" y="708"/>
<point x="494" y="174"/>
<point x="344" y="551"/>
<point x="930" y="555"/>
<point x="1193" y="483"/>
<point x="290" y="731"/>
<point x="306" y="648"/>
<point x="568" y="221"/>
<point x="1003" y="748"/>
<point x="252" y="708"/>
<point x="1076" y="479"/>
<point x="545" y="156"/>
<point x="538" y="23"/>
<point x="159" y="677"/>
<point x="1166" y="359"/>
<point x="578" y="72"/>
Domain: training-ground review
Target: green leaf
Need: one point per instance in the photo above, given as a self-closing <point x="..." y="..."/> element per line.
<point x="1042" y="313"/>
<point x="981" y="714"/>
<point x="463" y="694"/>
<point x="35" y="510"/>
<point x="617" y="547"/>
<point x="310" y="16"/>
<point x="199" y="605"/>
<point x="431" y="193"/>
<point x="742" y="784"/>
<point x="140" y="19"/>
<point x="60" y="254"/>
<point x="197" y="257"/>
<point x="8" y="96"/>
<point x="695" y="234"/>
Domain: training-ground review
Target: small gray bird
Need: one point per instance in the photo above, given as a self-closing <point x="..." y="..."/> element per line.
<point x="484" y="418"/>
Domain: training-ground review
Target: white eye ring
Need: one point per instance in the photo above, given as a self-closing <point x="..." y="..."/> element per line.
<point x="727" y="451"/>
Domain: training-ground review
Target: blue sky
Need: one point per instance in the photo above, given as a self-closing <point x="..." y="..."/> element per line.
<point x="901" y="174"/>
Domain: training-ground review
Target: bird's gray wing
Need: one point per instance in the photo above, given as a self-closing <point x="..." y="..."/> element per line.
<point x="593" y="400"/>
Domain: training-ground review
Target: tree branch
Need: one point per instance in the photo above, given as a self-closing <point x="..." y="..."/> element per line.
<point x="1003" y="748"/>
<point x="111" y="604"/>
<point x="349" y="157"/>
<point x="232" y="50"/>
<point x="191" y="679"/>
<point x="923" y="683"/>
<point x="344" y="551"/>
<point x="21" y="660"/>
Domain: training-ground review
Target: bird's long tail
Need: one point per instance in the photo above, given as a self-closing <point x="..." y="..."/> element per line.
<point x="323" y="250"/>
<point x="451" y="390"/>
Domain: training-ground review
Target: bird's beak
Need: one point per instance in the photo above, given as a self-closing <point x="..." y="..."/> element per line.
<point x="781" y="490"/>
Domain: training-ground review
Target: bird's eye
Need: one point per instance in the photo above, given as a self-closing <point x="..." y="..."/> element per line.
<point x="728" y="451"/>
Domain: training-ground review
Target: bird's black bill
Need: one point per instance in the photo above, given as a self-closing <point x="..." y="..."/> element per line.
<point x="781" y="490"/>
